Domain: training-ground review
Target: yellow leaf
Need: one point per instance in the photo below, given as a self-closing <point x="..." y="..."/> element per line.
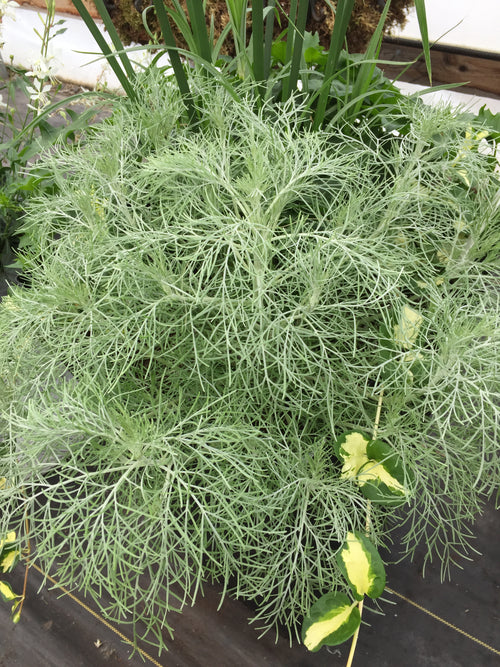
<point x="357" y="564"/>
<point x="463" y="175"/>
<point x="6" y="592"/>
<point x="406" y="332"/>
<point x="321" y="629"/>
<point x="9" y="539"/>
<point x="8" y="560"/>
<point x="7" y="302"/>
<point x="377" y="473"/>
<point x="355" y="454"/>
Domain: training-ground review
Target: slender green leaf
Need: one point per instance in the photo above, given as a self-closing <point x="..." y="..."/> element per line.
<point x="258" y="39"/>
<point x="220" y="42"/>
<point x="424" y="34"/>
<point x="115" y="38"/>
<point x="124" y="76"/>
<point x="297" y="37"/>
<point x="237" y="10"/>
<point x="268" y="36"/>
<point x="292" y="14"/>
<point x="365" y="72"/>
<point x="173" y="53"/>
<point x="196" y="9"/>
<point x="342" y="17"/>
<point x="177" y="13"/>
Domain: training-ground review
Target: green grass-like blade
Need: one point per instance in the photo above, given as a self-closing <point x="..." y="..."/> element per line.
<point x="124" y="76"/>
<point x="258" y="39"/>
<point x="268" y="37"/>
<point x="180" y="74"/>
<point x="365" y="72"/>
<point x="199" y="27"/>
<point x="289" y="35"/>
<point x="342" y="17"/>
<point x="237" y="10"/>
<point x="115" y="38"/>
<point x="424" y="33"/>
<point x="177" y="14"/>
<point x="298" y="40"/>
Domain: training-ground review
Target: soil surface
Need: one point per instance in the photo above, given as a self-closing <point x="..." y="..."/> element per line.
<point x="57" y="631"/>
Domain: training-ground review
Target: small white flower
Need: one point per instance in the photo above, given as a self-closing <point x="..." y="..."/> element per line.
<point x="38" y="95"/>
<point x="42" y="68"/>
<point x="8" y="9"/>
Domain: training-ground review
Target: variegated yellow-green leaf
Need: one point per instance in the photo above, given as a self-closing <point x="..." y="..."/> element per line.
<point x="383" y="478"/>
<point x="16" y="610"/>
<point x="362" y="566"/>
<point x="407" y="329"/>
<point x="9" y="559"/>
<point x="17" y="603"/>
<point x="376" y="482"/>
<point x="332" y="620"/>
<point x="10" y="538"/>
<point x="374" y="466"/>
<point x="351" y="449"/>
<point x="6" y="592"/>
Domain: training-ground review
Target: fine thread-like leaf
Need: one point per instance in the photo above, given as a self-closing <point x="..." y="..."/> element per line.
<point x="175" y="377"/>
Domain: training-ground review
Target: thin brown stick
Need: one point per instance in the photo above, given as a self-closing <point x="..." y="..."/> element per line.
<point x="367" y="531"/>
<point x="27" y="565"/>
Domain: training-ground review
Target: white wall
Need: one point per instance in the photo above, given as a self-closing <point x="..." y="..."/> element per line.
<point x="474" y="24"/>
<point x="22" y="46"/>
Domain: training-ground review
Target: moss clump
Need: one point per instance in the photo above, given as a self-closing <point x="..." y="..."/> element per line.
<point x="127" y="18"/>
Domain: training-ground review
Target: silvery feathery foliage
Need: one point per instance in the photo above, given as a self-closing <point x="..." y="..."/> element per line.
<point x="227" y="301"/>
